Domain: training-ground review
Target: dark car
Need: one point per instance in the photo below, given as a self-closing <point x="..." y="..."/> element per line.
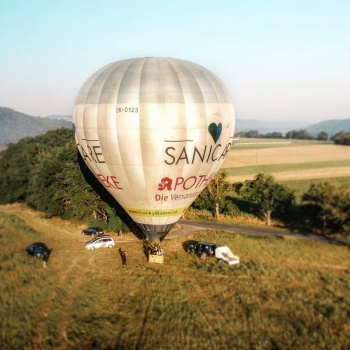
<point x="92" y="231"/>
<point x="199" y="247"/>
<point x="38" y="249"/>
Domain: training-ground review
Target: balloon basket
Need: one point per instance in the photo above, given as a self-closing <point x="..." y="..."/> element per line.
<point x="158" y="259"/>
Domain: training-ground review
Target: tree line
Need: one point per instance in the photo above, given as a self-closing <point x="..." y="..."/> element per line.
<point x="340" y="138"/>
<point x="324" y="207"/>
<point x="47" y="173"/>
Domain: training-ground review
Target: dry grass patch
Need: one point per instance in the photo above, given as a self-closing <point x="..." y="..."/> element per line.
<point x="281" y="295"/>
<point x="299" y="174"/>
<point x="294" y="161"/>
<point x="238" y="157"/>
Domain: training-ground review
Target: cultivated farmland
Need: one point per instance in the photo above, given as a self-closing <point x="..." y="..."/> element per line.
<point x="287" y="159"/>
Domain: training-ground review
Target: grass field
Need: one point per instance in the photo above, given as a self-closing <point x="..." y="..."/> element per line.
<point x="289" y="160"/>
<point x="285" y="294"/>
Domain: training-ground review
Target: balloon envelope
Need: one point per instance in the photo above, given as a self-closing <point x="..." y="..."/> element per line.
<point x="154" y="131"/>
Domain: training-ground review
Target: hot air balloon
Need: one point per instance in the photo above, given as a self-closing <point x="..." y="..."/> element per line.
<point x="154" y="131"/>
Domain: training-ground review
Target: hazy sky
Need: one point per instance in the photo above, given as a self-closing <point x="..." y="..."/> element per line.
<point x="280" y="60"/>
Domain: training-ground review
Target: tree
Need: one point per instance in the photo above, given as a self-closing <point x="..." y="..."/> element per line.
<point x="328" y="206"/>
<point x="267" y="194"/>
<point x="341" y="138"/>
<point x="213" y="196"/>
<point x="322" y="136"/>
<point x="274" y="135"/>
<point x="252" y="134"/>
<point x="47" y="173"/>
<point x="298" y="135"/>
<point x="217" y="189"/>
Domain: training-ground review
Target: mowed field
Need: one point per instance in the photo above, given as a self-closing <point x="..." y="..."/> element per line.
<point x="287" y="160"/>
<point x="284" y="294"/>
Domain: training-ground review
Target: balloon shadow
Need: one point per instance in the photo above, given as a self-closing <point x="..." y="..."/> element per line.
<point x="105" y="195"/>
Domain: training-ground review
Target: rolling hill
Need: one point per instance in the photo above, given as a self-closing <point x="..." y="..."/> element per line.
<point x="15" y="126"/>
<point x="331" y="126"/>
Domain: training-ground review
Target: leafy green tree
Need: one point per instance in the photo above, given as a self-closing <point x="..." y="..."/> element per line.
<point x="298" y="135"/>
<point x="204" y="202"/>
<point x="328" y="206"/>
<point x="341" y="138"/>
<point x="274" y="135"/>
<point x="47" y="173"/>
<point x="322" y="136"/>
<point x="252" y="134"/>
<point x="213" y="197"/>
<point x="266" y="194"/>
<point x="19" y="161"/>
<point x="16" y="164"/>
<point x="217" y="191"/>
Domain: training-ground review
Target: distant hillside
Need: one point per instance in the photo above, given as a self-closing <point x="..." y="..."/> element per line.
<point x="15" y="126"/>
<point x="331" y="127"/>
<point x="264" y="127"/>
<point x="68" y="118"/>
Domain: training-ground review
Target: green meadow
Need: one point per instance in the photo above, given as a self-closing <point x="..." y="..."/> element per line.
<point x="284" y="294"/>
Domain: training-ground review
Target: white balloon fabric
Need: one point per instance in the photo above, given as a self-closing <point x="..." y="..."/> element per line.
<point x="154" y="131"/>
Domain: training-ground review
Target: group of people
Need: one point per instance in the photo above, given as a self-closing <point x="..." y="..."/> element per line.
<point x="156" y="249"/>
<point x="202" y="252"/>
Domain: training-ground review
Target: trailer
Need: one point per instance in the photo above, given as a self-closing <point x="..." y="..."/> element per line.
<point x="225" y="254"/>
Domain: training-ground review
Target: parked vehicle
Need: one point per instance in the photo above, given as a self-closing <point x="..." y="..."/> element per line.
<point x="37" y="249"/>
<point x="224" y="254"/>
<point x="100" y="242"/>
<point x="199" y="248"/>
<point x="205" y="249"/>
<point x="92" y="231"/>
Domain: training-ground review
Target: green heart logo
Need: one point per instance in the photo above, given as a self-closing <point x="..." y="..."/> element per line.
<point x="215" y="131"/>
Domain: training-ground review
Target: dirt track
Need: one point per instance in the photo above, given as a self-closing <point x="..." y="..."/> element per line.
<point x="189" y="227"/>
<point x="185" y="228"/>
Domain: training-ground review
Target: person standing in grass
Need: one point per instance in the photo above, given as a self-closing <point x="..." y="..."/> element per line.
<point x="123" y="255"/>
<point x="45" y="259"/>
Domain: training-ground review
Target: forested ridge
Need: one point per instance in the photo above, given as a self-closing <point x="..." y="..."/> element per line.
<point x="47" y="173"/>
<point x="15" y="125"/>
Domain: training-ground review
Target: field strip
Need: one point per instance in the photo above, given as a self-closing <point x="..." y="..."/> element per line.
<point x="34" y="220"/>
<point x="200" y="293"/>
<point x="70" y="275"/>
<point x="299" y="174"/>
<point x="45" y="311"/>
<point x="67" y="307"/>
<point x="237" y="158"/>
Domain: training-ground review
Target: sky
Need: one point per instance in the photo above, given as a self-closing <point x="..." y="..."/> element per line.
<point x="280" y="60"/>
